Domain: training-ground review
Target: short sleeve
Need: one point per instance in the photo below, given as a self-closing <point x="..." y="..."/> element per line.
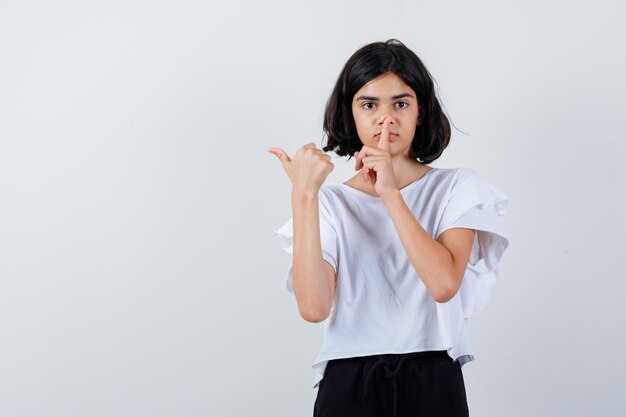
<point x="475" y="204"/>
<point x="328" y="239"/>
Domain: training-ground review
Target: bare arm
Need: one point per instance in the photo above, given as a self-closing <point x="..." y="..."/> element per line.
<point x="440" y="263"/>
<point x="313" y="277"/>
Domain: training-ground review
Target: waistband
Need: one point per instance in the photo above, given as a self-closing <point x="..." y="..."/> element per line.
<point x="391" y="364"/>
<point x="425" y="356"/>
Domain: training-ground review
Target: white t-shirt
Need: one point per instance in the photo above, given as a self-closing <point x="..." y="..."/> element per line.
<point x="381" y="305"/>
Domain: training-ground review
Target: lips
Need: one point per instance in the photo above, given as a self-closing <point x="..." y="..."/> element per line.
<point x="390" y="135"/>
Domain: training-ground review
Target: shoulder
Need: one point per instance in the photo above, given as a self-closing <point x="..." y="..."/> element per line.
<point x="330" y="200"/>
<point x="466" y="184"/>
<point x="449" y="178"/>
<point x="333" y="193"/>
<point x="461" y="174"/>
<point x="467" y="188"/>
<point x="328" y="193"/>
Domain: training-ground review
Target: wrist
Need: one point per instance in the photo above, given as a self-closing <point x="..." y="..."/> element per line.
<point x="303" y="196"/>
<point x="391" y="196"/>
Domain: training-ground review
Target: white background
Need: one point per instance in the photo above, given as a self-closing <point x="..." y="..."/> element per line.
<point x="139" y="275"/>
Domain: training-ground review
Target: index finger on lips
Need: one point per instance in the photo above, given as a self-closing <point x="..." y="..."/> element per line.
<point x="383" y="143"/>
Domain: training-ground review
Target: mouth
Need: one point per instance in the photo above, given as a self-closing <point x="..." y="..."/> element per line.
<point x="391" y="135"/>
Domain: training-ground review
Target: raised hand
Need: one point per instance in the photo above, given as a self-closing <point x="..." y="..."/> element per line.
<point x="307" y="170"/>
<point x="375" y="163"/>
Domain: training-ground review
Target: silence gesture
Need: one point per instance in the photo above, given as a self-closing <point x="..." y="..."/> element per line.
<point x="375" y="163"/>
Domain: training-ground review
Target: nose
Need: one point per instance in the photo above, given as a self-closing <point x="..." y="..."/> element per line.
<point x="383" y="116"/>
<point x="386" y="110"/>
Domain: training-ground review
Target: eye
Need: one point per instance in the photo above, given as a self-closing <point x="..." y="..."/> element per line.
<point x="400" y="104"/>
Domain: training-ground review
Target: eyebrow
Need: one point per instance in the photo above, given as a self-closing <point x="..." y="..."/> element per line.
<point x="392" y="98"/>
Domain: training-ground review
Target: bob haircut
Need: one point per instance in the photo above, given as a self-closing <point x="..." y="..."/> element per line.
<point x="432" y="135"/>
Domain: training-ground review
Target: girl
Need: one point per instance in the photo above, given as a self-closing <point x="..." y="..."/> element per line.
<point x="395" y="259"/>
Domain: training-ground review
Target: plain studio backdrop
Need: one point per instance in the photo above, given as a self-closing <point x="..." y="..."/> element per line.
<point x="139" y="275"/>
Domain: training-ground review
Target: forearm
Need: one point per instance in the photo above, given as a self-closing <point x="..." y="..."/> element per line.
<point x="430" y="259"/>
<point x="309" y="281"/>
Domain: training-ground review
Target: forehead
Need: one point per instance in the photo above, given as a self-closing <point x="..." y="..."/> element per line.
<point x="385" y="87"/>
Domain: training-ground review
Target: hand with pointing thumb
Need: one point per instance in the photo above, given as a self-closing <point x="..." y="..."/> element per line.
<point x="307" y="170"/>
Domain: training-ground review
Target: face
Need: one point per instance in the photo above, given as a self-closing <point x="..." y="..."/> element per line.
<point x="385" y="96"/>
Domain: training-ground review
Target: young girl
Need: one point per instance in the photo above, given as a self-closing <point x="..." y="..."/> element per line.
<point x="395" y="259"/>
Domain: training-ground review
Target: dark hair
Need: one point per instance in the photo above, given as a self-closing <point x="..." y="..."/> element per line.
<point x="432" y="135"/>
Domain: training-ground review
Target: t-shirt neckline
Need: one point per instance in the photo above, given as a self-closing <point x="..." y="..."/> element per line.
<point x="402" y="190"/>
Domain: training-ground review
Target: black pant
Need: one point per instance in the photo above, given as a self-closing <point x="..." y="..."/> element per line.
<point x="418" y="384"/>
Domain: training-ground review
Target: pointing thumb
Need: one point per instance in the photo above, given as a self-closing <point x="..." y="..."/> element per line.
<point x="282" y="155"/>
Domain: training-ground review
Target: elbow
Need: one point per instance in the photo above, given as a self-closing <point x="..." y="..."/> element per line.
<point x="314" y="313"/>
<point x="446" y="295"/>
<point x="314" y="316"/>
<point x="442" y="298"/>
